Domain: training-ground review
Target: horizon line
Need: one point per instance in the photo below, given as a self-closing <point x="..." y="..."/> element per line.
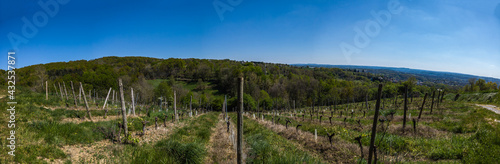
<point x="291" y="64"/>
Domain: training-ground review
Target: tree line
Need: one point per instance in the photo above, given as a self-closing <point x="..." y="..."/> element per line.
<point x="480" y="85"/>
<point x="266" y="85"/>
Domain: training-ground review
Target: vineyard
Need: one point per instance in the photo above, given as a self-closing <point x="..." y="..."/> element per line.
<point x="181" y="121"/>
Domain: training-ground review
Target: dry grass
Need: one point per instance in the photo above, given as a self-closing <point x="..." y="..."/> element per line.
<point x="82" y="108"/>
<point x="89" y="151"/>
<point x="352" y="149"/>
<point x="85" y="152"/>
<point x="154" y="135"/>
<point x="326" y="123"/>
<point x="421" y="131"/>
<point x="97" y="119"/>
<point x="424" y="118"/>
<point x="492" y="122"/>
<point x="220" y="148"/>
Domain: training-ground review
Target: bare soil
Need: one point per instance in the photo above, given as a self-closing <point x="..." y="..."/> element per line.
<point x="97" y="119"/>
<point x="84" y="152"/>
<point x="220" y="148"/>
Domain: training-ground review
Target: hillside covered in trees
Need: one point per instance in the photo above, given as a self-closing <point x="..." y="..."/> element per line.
<point x="401" y="74"/>
<point x="322" y="112"/>
<point x="266" y="84"/>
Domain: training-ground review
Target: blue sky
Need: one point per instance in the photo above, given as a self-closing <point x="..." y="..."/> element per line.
<point x="440" y="35"/>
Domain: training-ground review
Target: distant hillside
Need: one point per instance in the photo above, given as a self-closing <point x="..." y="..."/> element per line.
<point x="272" y="84"/>
<point x="489" y="98"/>
<point x="398" y="74"/>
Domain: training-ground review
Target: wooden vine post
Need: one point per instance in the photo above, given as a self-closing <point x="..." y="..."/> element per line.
<point x="240" y="122"/>
<point x="60" y="91"/>
<point x="133" y="101"/>
<point x="228" y="124"/>
<point x="55" y="89"/>
<point x="432" y="104"/>
<point x="80" y="96"/>
<point x="191" y="106"/>
<point x="106" y="101"/>
<point x="224" y="108"/>
<point x="366" y="101"/>
<point x="405" y="108"/>
<point x="86" y="103"/>
<point x="374" y="128"/>
<point x="422" y="108"/>
<point x="65" y="91"/>
<point x="46" y="90"/>
<point x="175" y="108"/>
<point x="124" y="111"/>
<point x="74" y="96"/>
<point x="438" y="97"/>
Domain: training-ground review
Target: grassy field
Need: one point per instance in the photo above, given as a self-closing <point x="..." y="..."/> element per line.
<point x="454" y="132"/>
<point x="49" y="132"/>
<point x="269" y="147"/>
<point x="481" y="98"/>
<point x="44" y="128"/>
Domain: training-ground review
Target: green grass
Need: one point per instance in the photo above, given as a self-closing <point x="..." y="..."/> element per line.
<point x="469" y="139"/>
<point x="156" y="82"/>
<point x="66" y="133"/>
<point x="185" y="145"/>
<point x="40" y="133"/>
<point x="269" y="147"/>
<point x="482" y="98"/>
<point x="30" y="145"/>
<point x="29" y="154"/>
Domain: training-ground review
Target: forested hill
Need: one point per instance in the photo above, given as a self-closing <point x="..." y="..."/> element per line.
<point x="276" y="84"/>
<point x="398" y="74"/>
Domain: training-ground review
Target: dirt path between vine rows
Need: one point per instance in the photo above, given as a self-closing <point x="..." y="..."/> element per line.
<point x="492" y="108"/>
<point x="220" y="147"/>
<point x="97" y="119"/>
